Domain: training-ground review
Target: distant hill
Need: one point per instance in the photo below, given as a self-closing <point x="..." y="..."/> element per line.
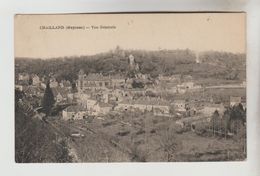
<point x="212" y="64"/>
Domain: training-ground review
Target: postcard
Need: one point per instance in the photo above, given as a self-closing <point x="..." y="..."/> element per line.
<point x="130" y="87"/>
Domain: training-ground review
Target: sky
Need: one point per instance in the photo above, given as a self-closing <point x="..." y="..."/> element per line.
<point x="195" y="31"/>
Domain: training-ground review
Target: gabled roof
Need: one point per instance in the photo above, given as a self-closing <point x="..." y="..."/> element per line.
<point x="58" y="90"/>
<point x="31" y="89"/>
<point x="96" y="77"/>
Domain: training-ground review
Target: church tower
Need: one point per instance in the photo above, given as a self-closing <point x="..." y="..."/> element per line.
<point x="80" y="80"/>
<point x="131" y="61"/>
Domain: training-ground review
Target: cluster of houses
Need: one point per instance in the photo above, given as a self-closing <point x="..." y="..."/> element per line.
<point x="204" y="115"/>
<point x="97" y="94"/>
<point x="34" y="86"/>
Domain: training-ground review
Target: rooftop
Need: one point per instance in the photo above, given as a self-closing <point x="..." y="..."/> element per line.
<point x="146" y="101"/>
<point x="57" y="90"/>
<point x="75" y="108"/>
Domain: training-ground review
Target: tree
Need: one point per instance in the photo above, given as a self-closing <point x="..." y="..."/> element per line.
<point x="74" y="87"/>
<point x="215" y="122"/>
<point x="48" y="100"/>
<point x="30" y="81"/>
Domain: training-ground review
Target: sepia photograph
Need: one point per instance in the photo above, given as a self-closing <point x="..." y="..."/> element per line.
<point x="130" y="87"/>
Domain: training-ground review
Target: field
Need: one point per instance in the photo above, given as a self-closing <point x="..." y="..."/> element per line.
<point x="143" y="137"/>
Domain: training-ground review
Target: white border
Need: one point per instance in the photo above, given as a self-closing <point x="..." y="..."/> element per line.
<point x="11" y="7"/>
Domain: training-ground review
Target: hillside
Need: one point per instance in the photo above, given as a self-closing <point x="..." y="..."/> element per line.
<point x="212" y="64"/>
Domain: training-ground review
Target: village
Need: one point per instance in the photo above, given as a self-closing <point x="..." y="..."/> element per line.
<point x="94" y="101"/>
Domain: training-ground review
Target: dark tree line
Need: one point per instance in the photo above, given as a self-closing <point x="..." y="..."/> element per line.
<point x="213" y="64"/>
<point x="48" y="100"/>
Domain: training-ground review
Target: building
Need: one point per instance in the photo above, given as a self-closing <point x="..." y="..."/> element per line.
<point x="60" y="94"/>
<point x="131" y="61"/>
<point x="92" y="107"/>
<point x="235" y="101"/>
<point x="23" y="77"/>
<point x="36" y="80"/>
<point x="95" y="82"/>
<point x="33" y="91"/>
<point x="83" y="97"/>
<point x="71" y="97"/>
<point x="144" y="104"/>
<point x="209" y="109"/>
<point x="53" y="83"/>
<point x="65" y="84"/>
<point x="179" y="105"/>
<point x="172" y="78"/>
<point x="92" y="82"/>
<point x="98" y="108"/>
<point x="188" y="87"/>
<point x="19" y="87"/>
<point x="117" y="81"/>
<point x="74" y="113"/>
<point x="131" y="93"/>
<point x="191" y="121"/>
<point x="43" y="85"/>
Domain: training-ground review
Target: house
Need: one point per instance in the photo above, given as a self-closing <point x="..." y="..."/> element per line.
<point x="43" y="85"/>
<point x="53" y="83"/>
<point x="71" y="97"/>
<point x="92" y="81"/>
<point x="142" y="76"/>
<point x="209" y="109"/>
<point x="116" y="95"/>
<point x="188" y="86"/>
<point x="74" y="113"/>
<point x="23" y="77"/>
<point x="35" y="80"/>
<point x="187" y="78"/>
<point x="117" y="81"/>
<point x="179" y="105"/>
<point x="33" y="91"/>
<point x="191" y="121"/>
<point x="169" y="87"/>
<point x="65" y="83"/>
<point x="130" y="93"/>
<point x="60" y="94"/>
<point x="172" y="78"/>
<point x="19" y="87"/>
<point x="144" y="104"/>
<point x="235" y="101"/>
<point x="93" y="107"/>
<point x="83" y="97"/>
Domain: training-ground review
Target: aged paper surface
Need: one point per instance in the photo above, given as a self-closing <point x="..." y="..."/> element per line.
<point x="146" y="87"/>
